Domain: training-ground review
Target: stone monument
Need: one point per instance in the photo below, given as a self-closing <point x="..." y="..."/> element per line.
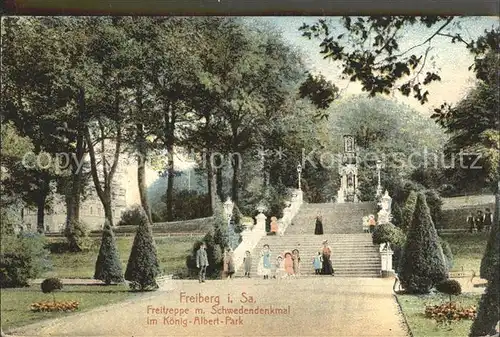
<point x="348" y="173"/>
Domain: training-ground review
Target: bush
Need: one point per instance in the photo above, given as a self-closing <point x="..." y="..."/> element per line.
<point x="216" y="240"/>
<point x="14" y="270"/>
<point x="45" y="306"/>
<point x="397" y="215"/>
<point x="131" y="216"/>
<point x="108" y="267"/>
<point x="422" y="264"/>
<point x="51" y="284"/>
<point x="448" y="254"/>
<point x="388" y="233"/>
<point x="489" y="311"/>
<point x="77" y="235"/>
<point x="449" y="287"/>
<point x="143" y="267"/>
<point x="23" y="257"/>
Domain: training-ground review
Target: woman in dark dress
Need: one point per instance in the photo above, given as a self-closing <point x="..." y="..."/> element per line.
<point x="318" y="230"/>
<point x="327" y="263"/>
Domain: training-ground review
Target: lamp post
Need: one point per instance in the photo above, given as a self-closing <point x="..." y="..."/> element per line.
<point x="379" y="186"/>
<point x="299" y="171"/>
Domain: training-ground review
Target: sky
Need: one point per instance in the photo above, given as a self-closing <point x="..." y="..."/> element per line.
<point x="452" y="59"/>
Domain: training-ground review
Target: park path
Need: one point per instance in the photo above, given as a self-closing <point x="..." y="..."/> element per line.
<point x="319" y="306"/>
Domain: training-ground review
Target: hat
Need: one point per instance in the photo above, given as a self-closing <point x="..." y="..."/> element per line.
<point x="326" y="241"/>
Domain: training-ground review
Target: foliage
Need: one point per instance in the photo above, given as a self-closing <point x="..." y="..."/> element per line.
<point x="14" y="270"/>
<point x="388" y="233"/>
<point x="189" y="205"/>
<point x="77" y="235"/>
<point x="408" y="210"/>
<point x="51" y="284"/>
<point x="422" y="264"/>
<point x="449" y="312"/>
<point x="143" y="267"/>
<point x="108" y="267"/>
<point x="23" y="257"/>
<point x="131" y="216"/>
<point x="46" y="306"/>
<point x="435" y="204"/>
<point x="448" y="254"/>
<point x="370" y="51"/>
<point x="489" y="308"/>
<point x="491" y="260"/>
<point x="397" y="214"/>
<point x="449" y="287"/>
<point x="319" y="90"/>
<point x="216" y="241"/>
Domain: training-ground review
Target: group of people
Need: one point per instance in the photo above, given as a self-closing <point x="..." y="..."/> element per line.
<point x="288" y="264"/>
<point x="228" y="266"/>
<point x="480" y="221"/>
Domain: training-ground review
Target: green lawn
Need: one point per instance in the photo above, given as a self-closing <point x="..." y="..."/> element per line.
<point x="414" y="308"/>
<point x="15" y="303"/>
<point x="467" y="249"/>
<point x="172" y="253"/>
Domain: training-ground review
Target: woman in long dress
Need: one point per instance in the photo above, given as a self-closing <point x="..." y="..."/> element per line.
<point x="318" y="230"/>
<point x="327" y="263"/>
<point x="296" y="261"/>
<point x="289" y="264"/>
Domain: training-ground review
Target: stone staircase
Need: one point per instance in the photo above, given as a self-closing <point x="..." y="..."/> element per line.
<point x="353" y="253"/>
<point x="345" y="218"/>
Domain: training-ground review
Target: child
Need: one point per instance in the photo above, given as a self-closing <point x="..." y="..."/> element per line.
<point x="247" y="261"/>
<point x="228" y="267"/>
<point x="288" y="264"/>
<point x="317" y="263"/>
<point x="265" y="262"/>
<point x="280" y="267"/>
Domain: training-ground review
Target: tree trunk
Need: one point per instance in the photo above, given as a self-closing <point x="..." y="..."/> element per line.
<point x="236" y="178"/>
<point x="106" y="203"/>
<point x="218" y="175"/>
<point x="141" y="180"/>
<point x="211" y="183"/>
<point x="170" y="183"/>
<point x="40" y="219"/>
<point x="141" y="169"/>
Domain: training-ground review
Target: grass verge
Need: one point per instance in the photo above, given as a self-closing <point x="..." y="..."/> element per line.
<point x="172" y="252"/>
<point x="15" y="303"/>
<point x="413" y="307"/>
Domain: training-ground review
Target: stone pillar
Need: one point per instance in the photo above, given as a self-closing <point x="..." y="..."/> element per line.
<point x="260" y="227"/>
<point x="386" y="257"/>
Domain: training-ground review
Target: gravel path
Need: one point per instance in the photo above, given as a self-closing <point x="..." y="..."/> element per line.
<point x="322" y="306"/>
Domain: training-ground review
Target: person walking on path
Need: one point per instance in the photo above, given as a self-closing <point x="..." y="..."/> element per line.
<point x="318" y="230"/>
<point x="327" y="268"/>
<point x="202" y="262"/>
<point x="289" y="264"/>
<point x="471" y="222"/>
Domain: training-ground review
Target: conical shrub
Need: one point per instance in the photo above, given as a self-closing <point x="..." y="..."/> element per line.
<point x="490" y="260"/>
<point x="488" y="312"/>
<point x="422" y="263"/>
<point x="143" y="267"/>
<point x="108" y="267"/>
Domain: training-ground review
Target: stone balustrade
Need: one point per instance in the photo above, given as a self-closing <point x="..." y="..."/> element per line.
<point x="252" y="234"/>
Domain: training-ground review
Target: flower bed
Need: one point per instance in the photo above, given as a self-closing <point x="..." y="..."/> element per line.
<point x="50" y="306"/>
<point x="448" y="312"/>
